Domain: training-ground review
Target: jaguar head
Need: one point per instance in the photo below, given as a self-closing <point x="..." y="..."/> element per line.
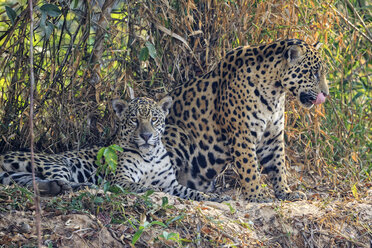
<point x="305" y="74"/>
<point x="142" y="121"/>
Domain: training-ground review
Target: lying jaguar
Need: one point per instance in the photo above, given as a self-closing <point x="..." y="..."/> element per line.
<point x="235" y="114"/>
<point x="143" y="164"/>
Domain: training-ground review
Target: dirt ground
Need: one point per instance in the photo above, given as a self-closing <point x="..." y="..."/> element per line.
<point x="72" y="221"/>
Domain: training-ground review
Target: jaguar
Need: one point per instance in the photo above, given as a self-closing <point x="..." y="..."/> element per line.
<point x="234" y="114"/>
<point x="143" y="164"/>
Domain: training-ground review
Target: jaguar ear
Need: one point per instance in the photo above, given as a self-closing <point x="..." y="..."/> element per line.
<point x="318" y="45"/>
<point x="119" y="107"/>
<point x="293" y="54"/>
<point x="166" y="103"/>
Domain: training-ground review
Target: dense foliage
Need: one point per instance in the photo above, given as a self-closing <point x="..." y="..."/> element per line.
<point x="89" y="52"/>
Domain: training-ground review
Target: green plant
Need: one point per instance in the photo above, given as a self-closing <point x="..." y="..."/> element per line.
<point x="232" y="210"/>
<point x="110" y="161"/>
<point x="143" y="227"/>
<point x="172" y="237"/>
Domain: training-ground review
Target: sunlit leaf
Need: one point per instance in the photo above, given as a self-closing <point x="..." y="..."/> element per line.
<point x="354" y="190"/>
<point x="100" y="153"/>
<point x="137" y="235"/>
<point x="117" y="148"/>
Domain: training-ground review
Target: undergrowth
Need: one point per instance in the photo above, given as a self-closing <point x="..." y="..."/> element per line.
<point x="137" y="213"/>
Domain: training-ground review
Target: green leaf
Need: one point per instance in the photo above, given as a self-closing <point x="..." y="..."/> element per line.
<point x="117" y="148"/>
<point x="106" y="151"/>
<point x="137" y="235"/>
<point x="117" y="189"/>
<point x="110" y="154"/>
<point x="169" y="236"/>
<point x="144" y="54"/>
<point x="98" y="200"/>
<point x="51" y="10"/>
<point x="99" y="156"/>
<point x="357" y="96"/>
<point x="100" y="153"/>
<point x="165" y="235"/>
<point x="11" y="14"/>
<point x="232" y="210"/>
<point x="152" y="50"/>
<point x="173" y="236"/>
<point x="43" y="20"/>
<point x="148" y="193"/>
<point x="48" y="29"/>
<point x="164" y="201"/>
<point x="111" y="158"/>
<point x="113" y="167"/>
<point x="157" y="223"/>
<point x="75" y="3"/>
<point x="146" y="224"/>
<point x="106" y="186"/>
<point x="179" y="217"/>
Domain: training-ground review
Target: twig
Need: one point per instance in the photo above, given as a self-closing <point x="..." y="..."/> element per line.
<point x="341" y="237"/>
<point x="360" y="18"/>
<point x="174" y="35"/>
<point x="32" y="79"/>
<point x="338" y="117"/>
<point x="352" y="25"/>
<point x="77" y="231"/>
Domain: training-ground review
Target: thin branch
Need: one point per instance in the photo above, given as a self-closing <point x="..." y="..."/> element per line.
<point x="352" y="25"/>
<point x="9" y="33"/>
<point x="360" y="18"/>
<point x="32" y="79"/>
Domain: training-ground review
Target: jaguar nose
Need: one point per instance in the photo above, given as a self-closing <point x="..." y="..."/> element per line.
<point x="146" y="136"/>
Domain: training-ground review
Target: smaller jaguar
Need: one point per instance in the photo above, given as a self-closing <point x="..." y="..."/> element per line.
<point x="144" y="163"/>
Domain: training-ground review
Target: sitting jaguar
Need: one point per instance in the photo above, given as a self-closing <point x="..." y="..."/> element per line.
<point x="234" y="114"/>
<point x="143" y="164"/>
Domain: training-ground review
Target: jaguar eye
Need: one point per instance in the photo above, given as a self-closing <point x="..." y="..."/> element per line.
<point x="316" y="75"/>
<point x="133" y="120"/>
<point x="154" y="119"/>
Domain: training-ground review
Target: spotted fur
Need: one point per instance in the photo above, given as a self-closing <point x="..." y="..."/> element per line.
<point x="235" y="114"/>
<point x="144" y="163"/>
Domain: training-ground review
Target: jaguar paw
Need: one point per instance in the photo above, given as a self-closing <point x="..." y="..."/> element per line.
<point x="53" y="187"/>
<point x="218" y="198"/>
<point x="259" y="198"/>
<point x="291" y="196"/>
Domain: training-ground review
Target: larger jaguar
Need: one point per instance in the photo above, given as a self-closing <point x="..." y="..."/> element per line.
<point x="235" y="114"/>
<point x="143" y="164"/>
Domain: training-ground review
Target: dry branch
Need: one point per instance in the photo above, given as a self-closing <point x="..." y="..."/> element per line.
<point x="32" y="89"/>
